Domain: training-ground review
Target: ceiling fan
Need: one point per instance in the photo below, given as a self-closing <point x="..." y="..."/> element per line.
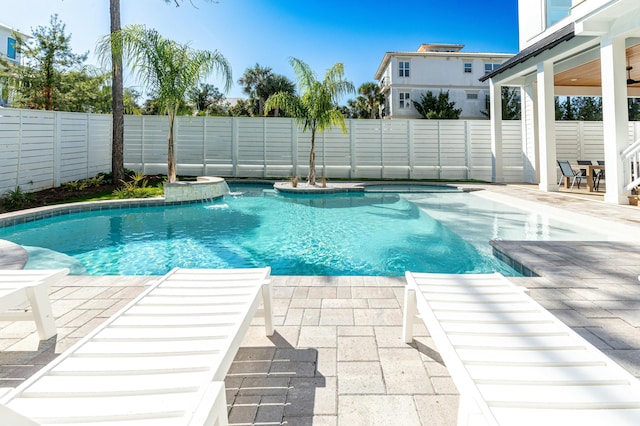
<point x="629" y="79"/>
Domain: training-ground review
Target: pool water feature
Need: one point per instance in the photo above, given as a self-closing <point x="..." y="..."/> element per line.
<point x="381" y="234"/>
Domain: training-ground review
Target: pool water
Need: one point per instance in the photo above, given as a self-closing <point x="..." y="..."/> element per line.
<point x="381" y="234"/>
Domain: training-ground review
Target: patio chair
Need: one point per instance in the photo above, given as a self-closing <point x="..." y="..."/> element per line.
<point x="19" y="287"/>
<point x="599" y="175"/>
<point x="512" y="361"/>
<point x="568" y="172"/>
<point x="161" y="360"/>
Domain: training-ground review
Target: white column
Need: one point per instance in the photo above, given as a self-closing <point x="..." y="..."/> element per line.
<point x="529" y="120"/>
<point x="495" y="111"/>
<point x="546" y="127"/>
<point x="615" y="118"/>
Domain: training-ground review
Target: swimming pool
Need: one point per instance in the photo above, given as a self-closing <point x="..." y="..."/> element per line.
<point x="381" y="234"/>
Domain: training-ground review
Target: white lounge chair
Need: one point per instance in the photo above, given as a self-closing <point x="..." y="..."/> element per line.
<point x="161" y="360"/>
<point x="19" y="287"/>
<point x="513" y="362"/>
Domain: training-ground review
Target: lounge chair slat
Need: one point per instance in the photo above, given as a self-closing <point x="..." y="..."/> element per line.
<point x="160" y="358"/>
<point x="512" y="361"/>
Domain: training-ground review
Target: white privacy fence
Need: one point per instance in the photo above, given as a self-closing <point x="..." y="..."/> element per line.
<point x="42" y="149"/>
<point x="276" y="147"/>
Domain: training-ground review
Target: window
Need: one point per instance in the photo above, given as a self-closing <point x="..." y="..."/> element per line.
<point x="11" y="48"/>
<point x="556" y="10"/>
<point x="405" y="100"/>
<point x="467" y="67"/>
<point x="403" y="66"/>
<point x="472" y="96"/>
<point x="488" y="68"/>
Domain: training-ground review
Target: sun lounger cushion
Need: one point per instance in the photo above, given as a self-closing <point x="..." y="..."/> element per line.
<point x="513" y="362"/>
<point x="160" y="360"/>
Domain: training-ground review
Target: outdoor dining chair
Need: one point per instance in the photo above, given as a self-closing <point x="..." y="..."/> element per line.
<point x="568" y="172"/>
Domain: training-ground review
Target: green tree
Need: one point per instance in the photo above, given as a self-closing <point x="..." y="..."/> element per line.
<point x="252" y="81"/>
<point x="130" y="99"/>
<point x="357" y="108"/>
<point x="568" y="110"/>
<point x="206" y="99"/>
<point x="436" y="107"/>
<point x="373" y="98"/>
<point x="48" y="56"/>
<point x="242" y="108"/>
<point x="118" y="95"/>
<point x="315" y="108"/>
<point x="168" y="68"/>
<point x="85" y="90"/>
<point x="276" y="83"/>
<point x="510" y="104"/>
<point x="634" y="109"/>
<point x="587" y="108"/>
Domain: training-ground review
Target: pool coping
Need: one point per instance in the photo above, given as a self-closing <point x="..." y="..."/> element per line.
<point x="30" y="215"/>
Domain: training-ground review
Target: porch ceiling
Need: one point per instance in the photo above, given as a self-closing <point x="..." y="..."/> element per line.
<point x="588" y="74"/>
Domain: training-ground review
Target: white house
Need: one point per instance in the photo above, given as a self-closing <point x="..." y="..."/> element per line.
<point x="405" y="76"/>
<point x="8" y="51"/>
<point x="573" y="47"/>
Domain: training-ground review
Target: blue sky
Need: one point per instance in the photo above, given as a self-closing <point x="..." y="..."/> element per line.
<point x="268" y="32"/>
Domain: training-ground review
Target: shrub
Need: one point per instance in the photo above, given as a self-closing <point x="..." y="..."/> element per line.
<point x="17" y="199"/>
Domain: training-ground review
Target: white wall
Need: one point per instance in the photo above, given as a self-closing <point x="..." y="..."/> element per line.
<point x="440" y="72"/>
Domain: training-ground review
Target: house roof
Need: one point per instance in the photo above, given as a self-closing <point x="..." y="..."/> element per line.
<point x="564" y="34"/>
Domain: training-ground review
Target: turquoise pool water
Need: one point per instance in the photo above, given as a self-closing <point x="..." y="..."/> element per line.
<point x="381" y="234"/>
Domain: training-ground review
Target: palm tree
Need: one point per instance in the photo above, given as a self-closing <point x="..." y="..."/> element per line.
<point x="117" y="101"/>
<point x="316" y="106"/>
<point x="252" y="81"/>
<point x="117" y="96"/>
<point x="371" y="92"/>
<point x="275" y="83"/>
<point x="168" y="68"/>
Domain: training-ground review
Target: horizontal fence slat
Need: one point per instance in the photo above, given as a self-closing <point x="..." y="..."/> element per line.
<point x="38" y="148"/>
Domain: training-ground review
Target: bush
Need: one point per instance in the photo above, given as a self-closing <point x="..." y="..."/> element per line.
<point x="79" y="185"/>
<point x="136" y="188"/>
<point x="16" y="199"/>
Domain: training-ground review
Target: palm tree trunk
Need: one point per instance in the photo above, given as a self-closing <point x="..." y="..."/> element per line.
<point x="171" y="158"/>
<point x="311" y="179"/>
<point x="117" y="102"/>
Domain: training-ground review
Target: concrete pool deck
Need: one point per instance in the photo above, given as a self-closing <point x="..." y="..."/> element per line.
<point x="337" y="356"/>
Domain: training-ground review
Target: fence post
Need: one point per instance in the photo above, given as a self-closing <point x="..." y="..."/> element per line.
<point x="234" y="146"/>
<point x="204" y="145"/>
<point x="294" y="145"/>
<point x="467" y="149"/>
<point x="411" y="147"/>
<point x="352" y="149"/>
<point x="88" y="138"/>
<point x="57" y="149"/>
<point x="439" y="150"/>
<point x="580" y="139"/>
<point x="142" y="139"/>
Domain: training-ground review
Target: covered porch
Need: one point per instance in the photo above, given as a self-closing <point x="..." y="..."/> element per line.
<point x="598" y="54"/>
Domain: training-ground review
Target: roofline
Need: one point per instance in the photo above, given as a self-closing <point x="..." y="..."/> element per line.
<point x="5" y="26"/>
<point x="387" y="57"/>
<point x="549" y="42"/>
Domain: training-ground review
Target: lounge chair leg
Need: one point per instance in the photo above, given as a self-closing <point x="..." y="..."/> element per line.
<point x="43" y="316"/>
<point x="268" y="314"/>
<point x="409" y="314"/>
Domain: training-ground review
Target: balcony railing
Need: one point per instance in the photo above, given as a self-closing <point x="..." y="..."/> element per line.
<point x="631" y="162"/>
